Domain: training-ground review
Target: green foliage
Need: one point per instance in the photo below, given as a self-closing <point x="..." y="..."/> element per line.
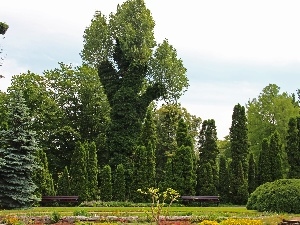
<point x="275" y="149"/>
<point x="279" y="196"/>
<point x="55" y="217"/>
<point x="105" y="181"/>
<point x="293" y="147"/>
<point x="92" y="170"/>
<point x="122" y="50"/>
<point x="42" y="177"/>
<point x="78" y="173"/>
<point x="18" y="148"/>
<point x="208" y="150"/>
<point x="3" y="28"/>
<point x="224" y="180"/>
<point x="239" y="152"/>
<point x="271" y="111"/>
<point x="264" y="166"/>
<point x="252" y="177"/>
<point x="119" y="185"/>
<point x="63" y="184"/>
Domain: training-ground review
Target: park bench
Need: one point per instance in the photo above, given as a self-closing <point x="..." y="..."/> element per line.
<point x="201" y="199"/>
<point x="49" y="199"/>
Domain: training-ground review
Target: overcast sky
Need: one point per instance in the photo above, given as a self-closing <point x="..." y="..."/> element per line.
<point x="232" y="49"/>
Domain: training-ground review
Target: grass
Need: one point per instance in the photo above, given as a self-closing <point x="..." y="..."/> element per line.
<point x="198" y="213"/>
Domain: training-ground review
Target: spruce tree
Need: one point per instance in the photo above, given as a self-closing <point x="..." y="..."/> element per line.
<point x="119" y="187"/>
<point x="18" y="149"/>
<point x="206" y="185"/>
<point x="293" y="148"/>
<point x="239" y="153"/>
<point x="92" y="171"/>
<point x="105" y="181"/>
<point x="63" y="184"/>
<point x="224" y="179"/>
<point x="78" y="172"/>
<point x="252" y="182"/>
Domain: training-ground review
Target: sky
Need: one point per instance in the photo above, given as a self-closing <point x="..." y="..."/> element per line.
<point x="232" y="49"/>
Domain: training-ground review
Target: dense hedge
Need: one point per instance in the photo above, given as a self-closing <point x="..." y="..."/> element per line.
<point x="279" y="196"/>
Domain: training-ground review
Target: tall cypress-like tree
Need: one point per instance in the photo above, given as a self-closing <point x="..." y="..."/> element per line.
<point x="252" y="182"/>
<point x="18" y="149"/>
<point x="263" y="165"/>
<point x="275" y="152"/>
<point x="224" y="180"/>
<point x="42" y="177"/>
<point x="78" y="172"/>
<point x="105" y="181"/>
<point x="184" y="161"/>
<point x="239" y="153"/>
<point x="63" y="184"/>
<point x="206" y="185"/>
<point x="118" y="186"/>
<point x="293" y="148"/>
<point x="92" y="171"/>
<point x="208" y="150"/>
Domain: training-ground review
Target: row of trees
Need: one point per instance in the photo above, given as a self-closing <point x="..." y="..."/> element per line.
<point x="95" y="130"/>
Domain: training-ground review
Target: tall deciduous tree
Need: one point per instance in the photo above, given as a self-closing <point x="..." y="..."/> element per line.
<point x="239" y="154"/>
<point x="271" y="111"/>
<point x="18" y="149"/>
<point x="133" y="71"/>
<point x="293" y="148"/>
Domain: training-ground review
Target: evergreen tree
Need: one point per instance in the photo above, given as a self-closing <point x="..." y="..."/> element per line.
<point x="224" y="179"/>
<point x="105" y="184"/>
<point x="63" y="184"/>
<point x="263" y="166"/>
<point x="42" y="177"/>
<point x="293" y="148"/>
<point x="239" y="153"/>
<point x="252" y="174"/>
<point x="239" y="185"/>
<point x="92" y="171"/>
<point x="184" y="161"/>
<point x="78" y="172"/>
<point x="206" y="185"/>
<point x="208" y="150"/>
<point x="18" y="148"/>
<point x="119" y="187"/>
<point x="275" y="152"/>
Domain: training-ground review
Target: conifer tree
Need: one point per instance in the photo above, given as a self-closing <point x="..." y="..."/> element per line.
<point x="275" y="152"/>
<point x="63" y="184"/>
<point x="239" y="153"/>
<point x="239" y="186"/>
<point x="252" y="184"/>
<point x="184" y="161"/>
<point x="293" y="148"/>
<point x="263" y="165"/>
<point x="18" y="149"/>
<point x="105" y="181"/>
<point x="78" y="172"/>
<point x="92" y="171"/>
<point x="119" y="187"/>
<point x="207" y="146"/>
<point x="224" y="179"/>
<point x="206" y="185"/>
<point x="42" y="177"/>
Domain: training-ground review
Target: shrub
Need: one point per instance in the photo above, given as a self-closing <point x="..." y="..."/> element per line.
<point x="279" y="196"/>
<point x="241" y="222"/>
<point x="55" y="217"/>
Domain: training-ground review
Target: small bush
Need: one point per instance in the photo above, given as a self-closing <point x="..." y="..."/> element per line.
<point x="81" y="212"/>
<point x="55" y="217"/>
<point x="279" y="196"/>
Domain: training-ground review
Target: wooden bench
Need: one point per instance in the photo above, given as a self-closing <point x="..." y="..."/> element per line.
<point x="49" y="199"/>
<point x="207" y="199"/>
